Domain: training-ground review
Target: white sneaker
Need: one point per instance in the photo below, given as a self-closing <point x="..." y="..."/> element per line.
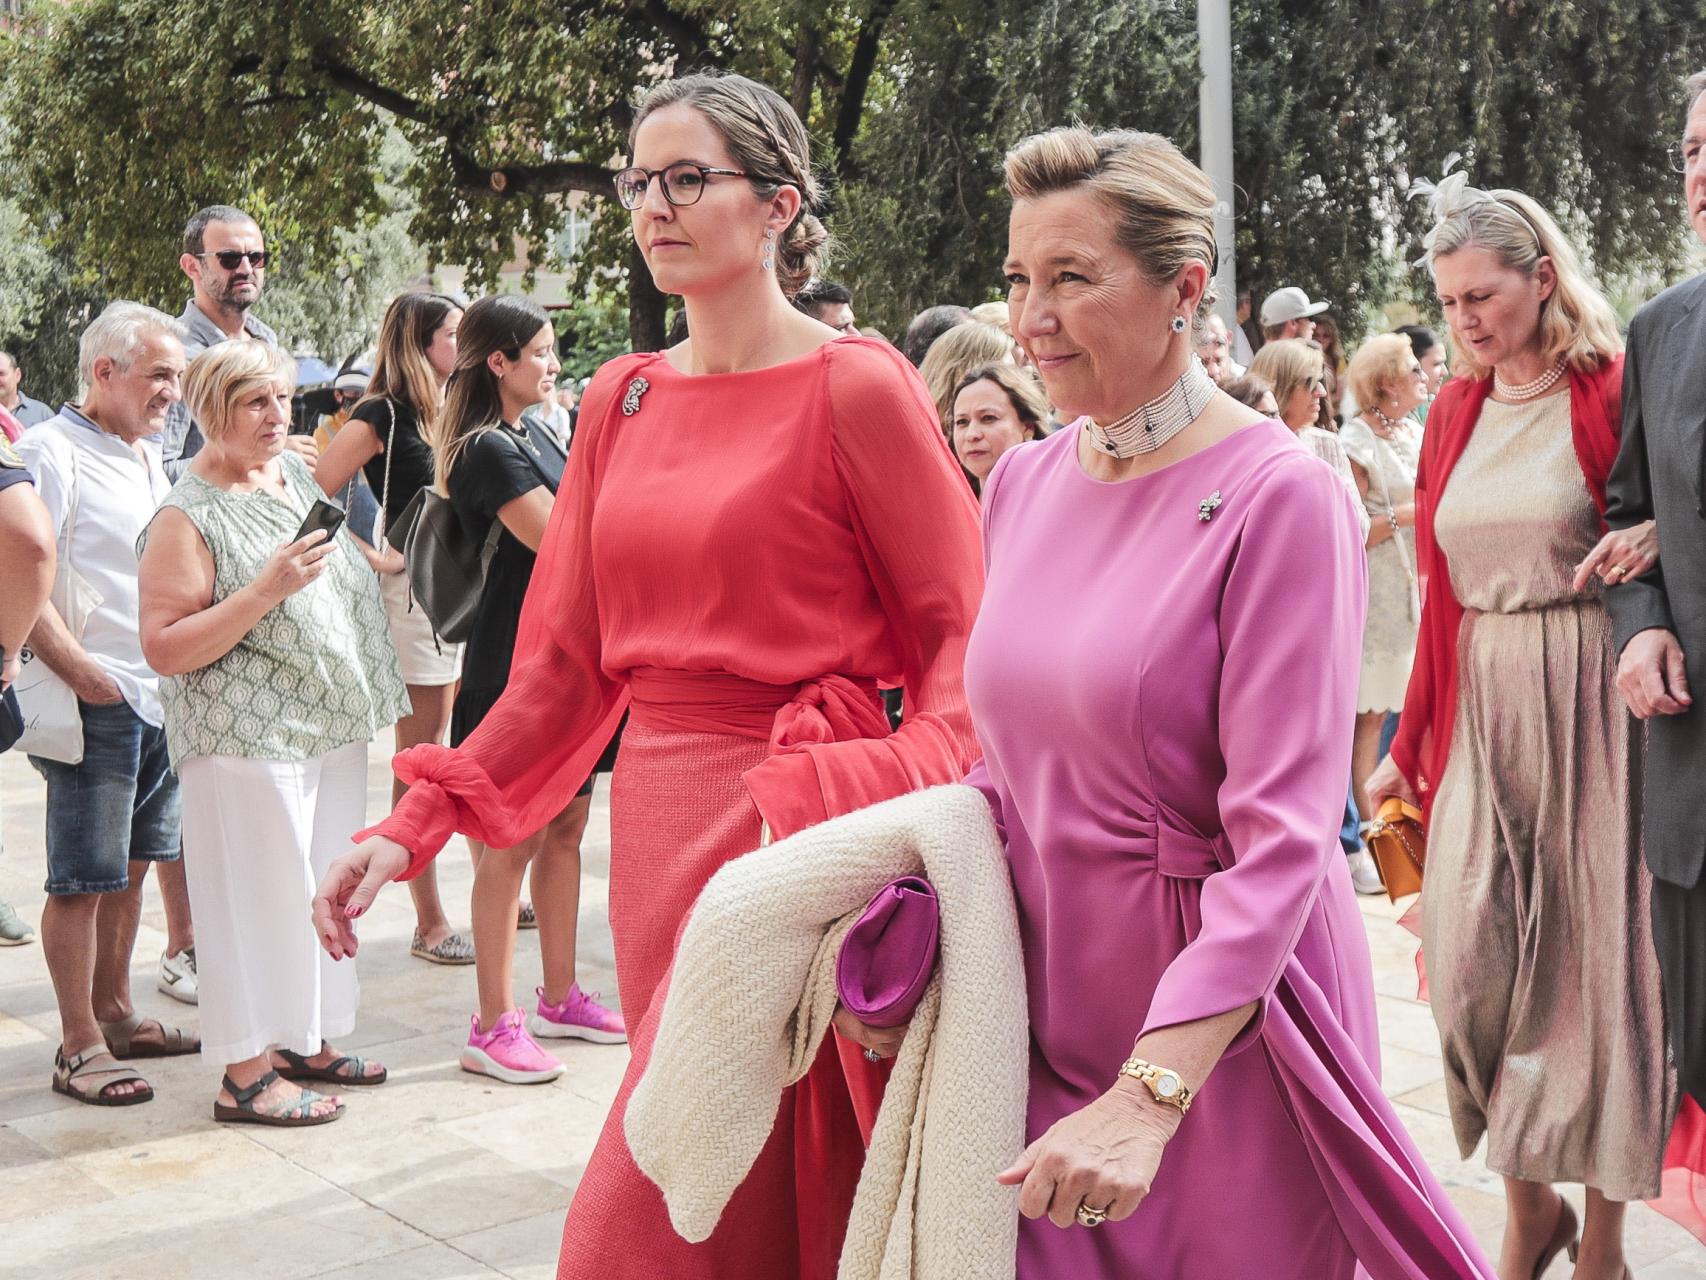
<point x="178" y="977"/>
<point x="1365" y="873"/>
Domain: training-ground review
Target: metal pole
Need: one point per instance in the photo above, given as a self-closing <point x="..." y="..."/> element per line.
<point x="1214" y="39"/>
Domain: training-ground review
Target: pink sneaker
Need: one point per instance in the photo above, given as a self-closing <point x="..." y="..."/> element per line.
<point x="508" y="1053"/>
<point x="580" y="1016"/>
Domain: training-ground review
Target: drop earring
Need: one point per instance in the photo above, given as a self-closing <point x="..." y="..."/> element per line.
<point x="768" y="261"/>
<point x="1178" y="324"/>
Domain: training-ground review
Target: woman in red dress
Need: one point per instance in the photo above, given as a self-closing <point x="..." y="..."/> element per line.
<point x="758" y="527"/>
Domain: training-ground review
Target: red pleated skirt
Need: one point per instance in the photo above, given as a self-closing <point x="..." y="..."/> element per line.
<point x="678" y="812"/>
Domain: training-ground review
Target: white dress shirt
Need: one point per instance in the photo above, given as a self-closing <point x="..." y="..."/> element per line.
<point x="118" y="490"/>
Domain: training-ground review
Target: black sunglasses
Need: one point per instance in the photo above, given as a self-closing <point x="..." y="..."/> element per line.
<point x="231" y="259"/>
<point x="683" y="183"/>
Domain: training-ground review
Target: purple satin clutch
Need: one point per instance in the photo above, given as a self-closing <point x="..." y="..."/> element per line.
<point x="888" y="955"/>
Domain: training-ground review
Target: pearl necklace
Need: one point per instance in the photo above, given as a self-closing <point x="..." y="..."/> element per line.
<point x="1152" y="424"/>
<point x="1385" y="427"/>
<point x="1528" y="390"/>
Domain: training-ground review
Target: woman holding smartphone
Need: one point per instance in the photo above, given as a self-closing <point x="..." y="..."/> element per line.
<point x="277" y="669"/>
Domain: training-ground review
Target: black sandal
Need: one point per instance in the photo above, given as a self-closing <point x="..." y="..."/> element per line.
<point x="297" y="1115"/>
<point x="299" y="1069"/>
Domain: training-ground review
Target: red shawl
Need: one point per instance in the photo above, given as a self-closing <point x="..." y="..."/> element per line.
<point x="1430" y="705"/>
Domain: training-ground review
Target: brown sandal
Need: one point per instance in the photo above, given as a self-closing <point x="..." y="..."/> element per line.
<point x="76" y="1067"/>
<point x="296" y="1115"/>
<point x="121" y="1039"/>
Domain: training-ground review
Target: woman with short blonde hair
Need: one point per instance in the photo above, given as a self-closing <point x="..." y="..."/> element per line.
<point x="276" y="669"/>
<point x="1296" y="367"/>
<point x="1168" y="791"/>
<point x="1515" y="738"/>
<point x="955" y="354"/>
<point x="1383" y="443"/>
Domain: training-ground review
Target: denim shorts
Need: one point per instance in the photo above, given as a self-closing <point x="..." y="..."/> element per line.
<point x="120" y="803"/>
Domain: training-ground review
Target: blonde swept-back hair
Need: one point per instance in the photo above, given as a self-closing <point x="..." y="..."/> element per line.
<point x="1576" y="322"/>
<point x="1288" y="363"/>
<point x="1162" y="204"/>
<point x="957" y="352"/>
<point x="767" y="141"/>
<point x="998" y="314"/>
<point x="227" y="373"/>
<point x="1377" y="364"/>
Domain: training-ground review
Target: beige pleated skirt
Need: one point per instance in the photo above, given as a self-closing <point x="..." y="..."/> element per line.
<point x="1535" y="923"/>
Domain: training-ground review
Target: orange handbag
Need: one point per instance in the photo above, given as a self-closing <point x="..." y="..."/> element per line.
<point x="1399" y="846"/>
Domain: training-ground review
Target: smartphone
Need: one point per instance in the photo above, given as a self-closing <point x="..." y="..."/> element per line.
<point x="322" y="515"/>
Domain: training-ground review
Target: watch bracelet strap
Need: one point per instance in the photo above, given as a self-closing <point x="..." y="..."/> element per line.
<point x="1138" y="1069"/>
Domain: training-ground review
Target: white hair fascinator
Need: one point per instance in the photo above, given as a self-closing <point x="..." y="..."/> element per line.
<point x="1451" y="195"/>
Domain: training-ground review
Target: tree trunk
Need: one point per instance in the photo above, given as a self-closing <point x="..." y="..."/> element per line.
<point x="858" y="80"/>
<point x="646" y="306"/>
<point x="805" y="70"/>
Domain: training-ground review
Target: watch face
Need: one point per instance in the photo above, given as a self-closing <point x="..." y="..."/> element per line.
<point x="1166" y="1086"/>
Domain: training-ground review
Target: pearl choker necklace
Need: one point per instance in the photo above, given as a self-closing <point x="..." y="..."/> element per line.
<point x="1528" y="390"/>
<point x="1151" y="425"/>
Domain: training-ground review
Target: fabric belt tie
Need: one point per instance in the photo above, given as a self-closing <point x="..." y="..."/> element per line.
<point x="829" y="708"/>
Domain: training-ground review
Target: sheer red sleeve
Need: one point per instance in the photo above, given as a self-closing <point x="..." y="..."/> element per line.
<point x="540" y="741"/>
<point x="916" y="523"/>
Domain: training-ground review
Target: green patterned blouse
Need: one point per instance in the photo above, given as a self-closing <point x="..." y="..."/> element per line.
<point x="317" y="672"/>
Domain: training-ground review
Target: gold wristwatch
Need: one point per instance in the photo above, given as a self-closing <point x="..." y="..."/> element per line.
<point x="1166" y="1085"/>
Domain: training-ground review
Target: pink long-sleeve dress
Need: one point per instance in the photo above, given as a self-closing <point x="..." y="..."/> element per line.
<point x="1165" y="705"/>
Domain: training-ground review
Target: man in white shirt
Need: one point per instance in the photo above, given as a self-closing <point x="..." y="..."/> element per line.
<point x="97" y="468"/>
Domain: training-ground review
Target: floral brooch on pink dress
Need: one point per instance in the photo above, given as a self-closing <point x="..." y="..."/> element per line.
<point x="1206" y="508"/>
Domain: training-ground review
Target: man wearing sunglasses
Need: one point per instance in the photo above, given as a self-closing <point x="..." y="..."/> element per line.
<point x="225" y="258"/>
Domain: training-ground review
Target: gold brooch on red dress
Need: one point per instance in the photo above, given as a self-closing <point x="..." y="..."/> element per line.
<point x="631" y="401"/>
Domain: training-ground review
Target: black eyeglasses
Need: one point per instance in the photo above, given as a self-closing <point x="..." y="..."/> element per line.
<point x="231" y="259"/>
<point x="683" y="183"/>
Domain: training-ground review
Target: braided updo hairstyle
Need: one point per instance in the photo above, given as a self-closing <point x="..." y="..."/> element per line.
<point x="768" y="142"/>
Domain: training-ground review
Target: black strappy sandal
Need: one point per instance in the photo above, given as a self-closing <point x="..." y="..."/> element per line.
<point x="297" y="1115"/>
<point x="299" y="1069"/>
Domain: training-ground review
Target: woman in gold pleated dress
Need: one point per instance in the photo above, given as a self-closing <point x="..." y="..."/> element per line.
<point x="1535" y="931"/>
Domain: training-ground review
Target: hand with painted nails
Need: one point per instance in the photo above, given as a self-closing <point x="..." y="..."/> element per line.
<point x="348" y="888"/>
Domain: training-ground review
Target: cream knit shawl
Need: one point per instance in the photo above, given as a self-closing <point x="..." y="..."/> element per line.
<point x="750" y="999"/>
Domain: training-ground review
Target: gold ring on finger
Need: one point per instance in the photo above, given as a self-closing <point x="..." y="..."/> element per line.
<point x="1616" y="570"/>
<point x="1088" y="1217"/>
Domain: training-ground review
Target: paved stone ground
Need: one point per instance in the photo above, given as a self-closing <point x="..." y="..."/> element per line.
<point x="438" y="1175"/>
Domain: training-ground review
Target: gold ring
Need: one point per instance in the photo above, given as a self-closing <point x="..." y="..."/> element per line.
<point x="1618" y="569"/>
<point x="1088" y="1217"/>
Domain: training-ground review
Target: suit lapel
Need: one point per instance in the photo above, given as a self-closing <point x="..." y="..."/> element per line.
<point x="1682" y="354"/>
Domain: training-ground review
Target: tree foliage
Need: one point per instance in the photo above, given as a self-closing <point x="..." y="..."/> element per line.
<point x="122" y="115"/>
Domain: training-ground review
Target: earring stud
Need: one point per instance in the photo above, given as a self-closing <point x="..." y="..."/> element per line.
<point x="1178" y="324"/>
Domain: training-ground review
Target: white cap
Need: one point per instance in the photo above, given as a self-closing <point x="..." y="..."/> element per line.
<point x="1290" y="303"/>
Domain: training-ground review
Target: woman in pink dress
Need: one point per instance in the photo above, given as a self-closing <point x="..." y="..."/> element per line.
<point x="1170" y="784"/>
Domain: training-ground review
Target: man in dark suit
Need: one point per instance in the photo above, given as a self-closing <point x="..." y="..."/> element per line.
<point x="1659" y="617"/>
